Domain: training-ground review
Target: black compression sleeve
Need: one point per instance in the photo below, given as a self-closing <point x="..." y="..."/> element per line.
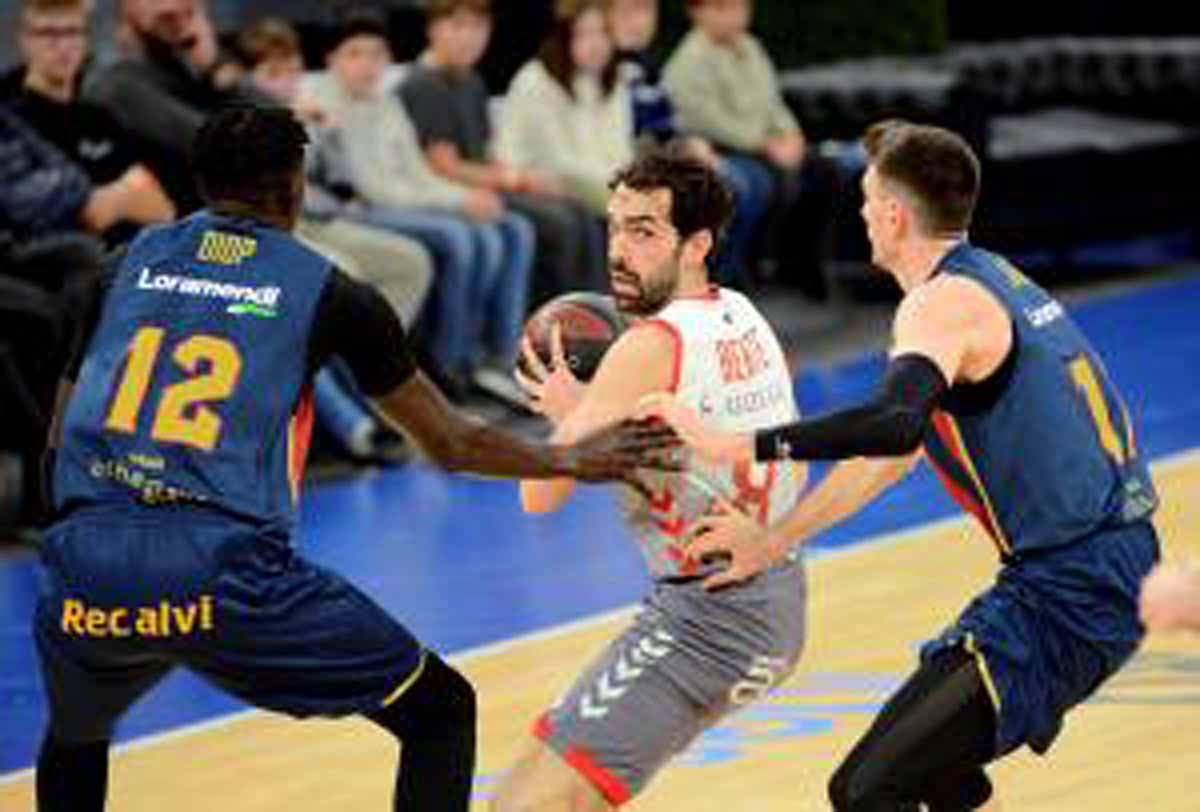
<point x="893" y="423"/>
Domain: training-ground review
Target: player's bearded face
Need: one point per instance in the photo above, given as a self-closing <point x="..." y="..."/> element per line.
<point x="644" y="250"/>
<point x="647" y="292"/>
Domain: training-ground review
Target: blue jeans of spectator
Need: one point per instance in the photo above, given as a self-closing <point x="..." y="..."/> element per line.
<point x="482" y="283"/>
<point x="502" y="296"/>
<point x="457" y="256"/>
<point x="340" y="410"/>
<point x="753" y="187"/>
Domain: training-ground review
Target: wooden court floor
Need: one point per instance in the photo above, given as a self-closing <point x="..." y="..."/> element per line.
<point x="1136" y="746"/>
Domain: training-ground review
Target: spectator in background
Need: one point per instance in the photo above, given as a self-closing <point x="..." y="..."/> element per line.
<point x="169" y="76"/>
<point x="566" y="115"/>
<point x="725" y="88"/>
<point x="270" y="51"/>
<point x="32" y="354"/>
<point x="41" y="191"/>
<point x="634" y="24"/>
<point x="46" y="206"/>
<point x="400" y="268"/>
<point x="449" y="106"/>
<point x="46" y="261"/>
<point x="483" y="252"/>
<point x="53" y="42"/>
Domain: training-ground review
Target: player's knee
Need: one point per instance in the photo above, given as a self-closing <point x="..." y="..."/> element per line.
<point x="542" y="782"/>
<point x="515" y="794"/>
<point x="461" y="699"/>
<point x="856" y="789"/>
<point x="520" y="797"/>
<point x="958" y="789"/>
<point x="440" y="704"/>
<point x="448" y="700"/>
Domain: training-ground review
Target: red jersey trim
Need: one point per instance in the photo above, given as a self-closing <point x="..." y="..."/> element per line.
<point x="299" y="440"/>
<point x="677" y="349"/>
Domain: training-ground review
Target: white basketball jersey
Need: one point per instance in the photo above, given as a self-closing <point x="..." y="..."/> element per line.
<point x="730" y="368"/>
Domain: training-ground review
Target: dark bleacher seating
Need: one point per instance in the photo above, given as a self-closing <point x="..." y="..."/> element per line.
<point x="1083" y="139"/>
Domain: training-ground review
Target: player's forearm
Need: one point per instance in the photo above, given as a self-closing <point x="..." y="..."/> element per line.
<point x="548" y="495"/>
<point x="893" y="424"/>
<point x="458" y="442"/>
<point x="849" y="487"/>
<point x="490" y="451"/>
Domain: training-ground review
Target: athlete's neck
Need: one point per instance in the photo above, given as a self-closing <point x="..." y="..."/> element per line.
<point x="61" y="92"/>
<point x="919" y="259"/>
<point x="236" y="208"/>
<point x="692" y="282"/>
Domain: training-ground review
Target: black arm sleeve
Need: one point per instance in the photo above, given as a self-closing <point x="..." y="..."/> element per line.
<point x="893" y="423"/>
<point x="356" y="323"/>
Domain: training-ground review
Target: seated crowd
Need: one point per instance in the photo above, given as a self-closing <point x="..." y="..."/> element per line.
<point x="465" y="210"/>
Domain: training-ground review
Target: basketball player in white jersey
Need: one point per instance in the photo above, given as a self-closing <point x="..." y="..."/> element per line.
<point x="691" y="655"/>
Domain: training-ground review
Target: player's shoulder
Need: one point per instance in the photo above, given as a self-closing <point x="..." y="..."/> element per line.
<point x="648" y="336"/>
<point x="650" y="350"/>
<point x="948" y="295"/>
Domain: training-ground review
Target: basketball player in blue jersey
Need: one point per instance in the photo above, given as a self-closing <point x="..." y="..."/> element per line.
<point x="180" y="446"/>
<point x="1015" y="411"/>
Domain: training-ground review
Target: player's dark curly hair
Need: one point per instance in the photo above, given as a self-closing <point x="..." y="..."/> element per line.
<point x="700" y="200"/>
<point x="249" y="154"/>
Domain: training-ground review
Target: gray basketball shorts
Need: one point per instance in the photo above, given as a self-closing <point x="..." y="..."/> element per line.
<point x="689" y="658"/>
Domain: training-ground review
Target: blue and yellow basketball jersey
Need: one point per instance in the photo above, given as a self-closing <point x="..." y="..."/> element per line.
<point x="194" y="385"/>
<point x="1044" y="453"/>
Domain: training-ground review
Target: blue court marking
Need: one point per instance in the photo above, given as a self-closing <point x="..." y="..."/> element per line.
<point x="456" y="560"/>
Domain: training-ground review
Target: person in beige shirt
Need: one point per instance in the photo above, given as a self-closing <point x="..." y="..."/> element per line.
<point x="726" y="88"/>
<point x="565" y="114"/>
<point x="398" y="266"/>
<point x="483" y="252"/>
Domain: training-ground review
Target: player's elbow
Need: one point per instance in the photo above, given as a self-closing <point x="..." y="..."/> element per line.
<point x="904" y="431"/>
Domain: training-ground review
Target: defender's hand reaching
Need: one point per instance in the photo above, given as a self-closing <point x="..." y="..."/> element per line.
<point x="716" y="446"/>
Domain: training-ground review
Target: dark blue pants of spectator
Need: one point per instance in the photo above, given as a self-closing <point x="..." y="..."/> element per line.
<point x="753" y="186"/>
<point x="482" y="282"/>
<point x="502" y="297"/>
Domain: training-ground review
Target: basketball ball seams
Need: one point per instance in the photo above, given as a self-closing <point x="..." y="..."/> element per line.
<point x="590" y="323"/>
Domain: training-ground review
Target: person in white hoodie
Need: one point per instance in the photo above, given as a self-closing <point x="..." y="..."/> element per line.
<point x="483" y="253"/>
<point x="566" y="115"/>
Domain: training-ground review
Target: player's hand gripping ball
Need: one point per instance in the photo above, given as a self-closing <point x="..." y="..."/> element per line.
<point x="590" y="323"/>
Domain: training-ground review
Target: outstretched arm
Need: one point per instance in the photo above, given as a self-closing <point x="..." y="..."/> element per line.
<point x="356" y="323"/>
<point x="947" y="330"/>
<point x="612" y="395"/>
